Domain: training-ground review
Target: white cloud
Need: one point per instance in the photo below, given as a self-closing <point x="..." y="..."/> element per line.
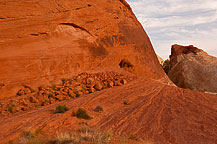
<point x="183" y="22"/>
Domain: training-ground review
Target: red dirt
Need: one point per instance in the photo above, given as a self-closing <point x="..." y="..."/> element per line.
<point x="161" y="113"/>
<point x="44" y="41"/>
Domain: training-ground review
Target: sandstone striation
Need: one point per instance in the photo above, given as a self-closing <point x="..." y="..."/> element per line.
<point x="43" y="41"/>
<point x="190" y="67"/>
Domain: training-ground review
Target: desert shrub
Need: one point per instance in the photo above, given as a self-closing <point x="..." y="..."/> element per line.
<point x="133" y="137"/>
<point x="54" y="86"/>
<point x="83" y="87"/>
<point x="64" y="80"/>
<point x="32" y="90"/>
<point x="36" y="105"/>
<point x="50" y="95"/>
<point x="81" y="113"/>
<point x="61" y="109"/>
<point x="77" y="94"/>
<point x="11" y="108"/>
<point x="103" y="87"/>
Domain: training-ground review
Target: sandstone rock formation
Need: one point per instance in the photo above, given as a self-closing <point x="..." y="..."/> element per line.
<point x="193" y="68"/>
<point x="42" y="42"/>
<point x="161" y="61"/>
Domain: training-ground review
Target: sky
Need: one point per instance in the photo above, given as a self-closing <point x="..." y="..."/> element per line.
<point x="184" y="22"/>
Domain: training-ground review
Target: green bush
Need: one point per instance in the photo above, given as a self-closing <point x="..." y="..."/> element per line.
<point x="64" y="80"/>
<point x="133" y="137"/>
<point x="61" y="109"/>
<point x="11" y="108"/>
<point x="81" y="113"/>
<point x="54" y="86"/>
<point x="32" y="90"/>
<point x="50" y="95"/>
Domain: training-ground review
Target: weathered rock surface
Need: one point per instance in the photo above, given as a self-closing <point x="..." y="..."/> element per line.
<point x="193" y="68"/>
<point x="161" y="61"/>
<point x="43" y="41"/>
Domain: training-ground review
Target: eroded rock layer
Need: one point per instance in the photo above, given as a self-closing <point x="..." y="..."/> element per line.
<point x="154" y="112"/>
<point x="193" y="68"/>
<point x="43" y="41"/>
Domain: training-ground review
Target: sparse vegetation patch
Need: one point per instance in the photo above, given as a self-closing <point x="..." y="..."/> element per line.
<point x="81" y="113"/>
<point x="71" y="88"/>
<point x="61" y="109"/>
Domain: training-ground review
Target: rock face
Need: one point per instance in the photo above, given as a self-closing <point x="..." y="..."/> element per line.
<point x="161" y="61"/>
<point x="42" y="41"/>
<point x="193" y="68"/>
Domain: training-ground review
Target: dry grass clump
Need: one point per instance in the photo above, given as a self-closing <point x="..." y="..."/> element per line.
<point x="82" y="136"/>
<point x="29" y="137"/>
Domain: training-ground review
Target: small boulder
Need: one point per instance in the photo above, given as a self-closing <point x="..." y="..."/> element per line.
<point x="98" y="86"/>
<point x="91" y="90"/>
<point x="20" y="92"/>
<point x="90" y="80"/>
<point x="118" y="83"/>
<point x="123" y="81"/>
<point x="110" y="83"/>
<point x="33" y="99"/>
<point x="98" y="109"/>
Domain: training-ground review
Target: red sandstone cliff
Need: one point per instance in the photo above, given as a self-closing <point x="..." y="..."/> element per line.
<point x="42" y="41"/>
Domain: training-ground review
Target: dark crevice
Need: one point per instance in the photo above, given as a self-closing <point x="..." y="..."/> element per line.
<point x="76" y="26"/>
<point x="79" y="8"/>
<point x="37" y="34"/>
<point x="125" y="63"/>
<point x="34" y="34"/>
<point x="91" y="21"/>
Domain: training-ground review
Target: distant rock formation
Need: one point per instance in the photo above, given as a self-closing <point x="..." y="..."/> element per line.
<point x="161" y="61"/>
<point x="192" y="68"/>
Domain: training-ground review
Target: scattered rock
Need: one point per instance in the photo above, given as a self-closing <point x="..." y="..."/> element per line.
<point x="90" y="81"/>
<point x="84" y="83"/>
<point x="98" y="86"/>
<point x="110" y="84"/>
<point x="123" y="81"/>
<point x="33" y="99"/>
<point x="98" y="109"/>
<point x="118" y="83"/>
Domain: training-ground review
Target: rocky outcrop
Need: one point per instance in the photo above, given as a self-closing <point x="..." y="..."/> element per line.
<point x="43" y="41"/>
<point x="161" y="61"/>
<point x="193" y="68"/>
